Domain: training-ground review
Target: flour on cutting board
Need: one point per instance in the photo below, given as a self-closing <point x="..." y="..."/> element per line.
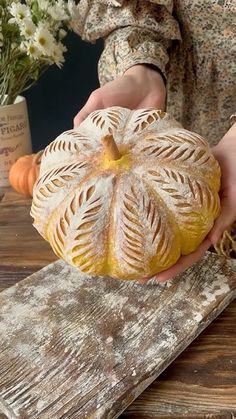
<point x="115" y="301"/>
<point x="221" y="287"/>
<point x="197" y="317"/>
<point x="96" y="343"/>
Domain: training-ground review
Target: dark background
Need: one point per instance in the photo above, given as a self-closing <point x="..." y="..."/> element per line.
<point x="60" y="93"/>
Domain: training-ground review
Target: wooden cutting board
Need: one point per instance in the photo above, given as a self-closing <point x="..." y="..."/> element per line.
<point x="79" y="347"/>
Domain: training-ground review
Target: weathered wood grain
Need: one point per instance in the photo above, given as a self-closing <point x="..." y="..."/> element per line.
<point x="9" y="275"/>
<point x="222" y="415"/>
<point x="216" y="343"/>
<point x="20" y="244"/>
<point x="77" y="347"/>
<point x="196" y="370"/>
<point x="9" y="195"/>
<point x="201" y="382"/>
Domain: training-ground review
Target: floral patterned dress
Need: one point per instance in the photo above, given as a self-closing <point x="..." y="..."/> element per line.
<point x="192" y="42"/>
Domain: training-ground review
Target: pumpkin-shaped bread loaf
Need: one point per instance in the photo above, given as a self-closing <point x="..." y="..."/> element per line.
<point x="127" y="193"/>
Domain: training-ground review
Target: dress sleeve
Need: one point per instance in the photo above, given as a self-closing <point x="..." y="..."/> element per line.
<point x="134" y="32"/>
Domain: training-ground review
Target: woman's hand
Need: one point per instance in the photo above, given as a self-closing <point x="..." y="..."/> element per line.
<point x="140" y="87"/>
<point x="225" y="153"/>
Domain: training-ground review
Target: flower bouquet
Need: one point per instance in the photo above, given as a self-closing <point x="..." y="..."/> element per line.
<point x="31" y="35"/>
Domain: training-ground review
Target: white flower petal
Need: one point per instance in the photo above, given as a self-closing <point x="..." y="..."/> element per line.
<point x="58" y="12"/>
<point x="44" y="40"/>
<point x="62" y="34"/>
<point x="43" y="4"/>
<point x="33" y="51"/>
<point x="58" y="54"/>
<point x="27" y="28"/>
<point x="19" y="11"/>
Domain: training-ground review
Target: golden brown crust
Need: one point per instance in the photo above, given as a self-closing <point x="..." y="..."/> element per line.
<point x="165" y="200"/>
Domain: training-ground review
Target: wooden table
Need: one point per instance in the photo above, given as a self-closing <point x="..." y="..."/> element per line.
<point x="201" y="383"/>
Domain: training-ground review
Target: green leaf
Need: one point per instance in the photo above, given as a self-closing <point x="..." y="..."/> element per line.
<point x="35" y="74"/>
<point x="22" y="63"/>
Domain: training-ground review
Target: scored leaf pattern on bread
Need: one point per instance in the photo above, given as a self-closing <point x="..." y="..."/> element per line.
<point x="75" y="232"/>
<point x="129" y="221"/>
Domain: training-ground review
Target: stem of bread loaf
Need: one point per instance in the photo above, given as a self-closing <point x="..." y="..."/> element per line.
<point x="110" y="147"/>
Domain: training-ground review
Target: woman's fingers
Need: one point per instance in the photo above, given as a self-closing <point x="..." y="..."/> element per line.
<point x="81" y="115"/>
<point x="225" y="219"/>
<point x="93" y="103"/>
<point x="225" y="153"/>
<point x="139" y="87"/>
<point x="183" y="263"/>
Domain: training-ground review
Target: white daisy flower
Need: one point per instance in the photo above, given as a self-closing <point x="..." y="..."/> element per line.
<point x="19" y="12"/>
<point x="58" y="54"/>
<point x="73" y="9"/>
<point x="44" y="40"/>
<point x="27" y="28"/>
<point x="22" y="46"/>
<point x="57" y="11"/>
<point x="33" y="51"/>
<point x="43" y="4"/>
<point x="14" y="45"/>
<point x="62" y="34"/>
<point x="74" y="14"/>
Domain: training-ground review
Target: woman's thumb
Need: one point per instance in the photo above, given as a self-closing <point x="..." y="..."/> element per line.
<point x="92" y="104"/>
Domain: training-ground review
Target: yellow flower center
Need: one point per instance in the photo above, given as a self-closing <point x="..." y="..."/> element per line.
<point x="42" y="41"/>
<point x="32" y="50"/>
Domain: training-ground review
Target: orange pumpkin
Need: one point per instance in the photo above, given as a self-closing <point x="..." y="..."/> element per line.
<point x="24" y="173"/>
